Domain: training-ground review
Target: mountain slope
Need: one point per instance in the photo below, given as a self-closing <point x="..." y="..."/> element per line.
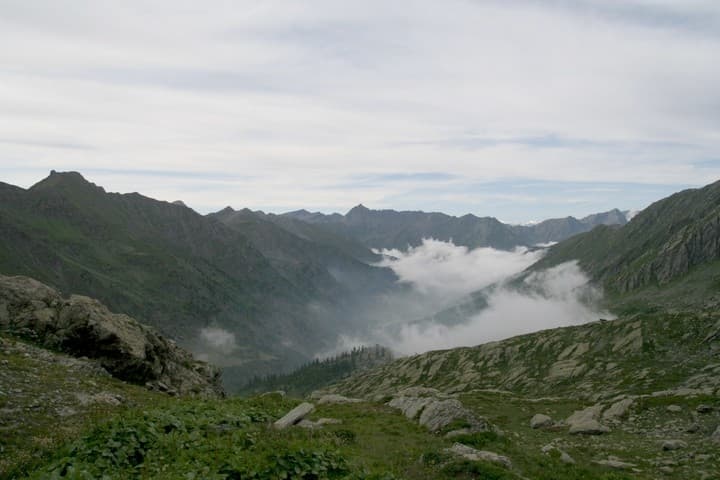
<point x="392" y="229"/>
<point x="326" y="268"/>
<point x="659" y="247"/>
<point x="161" y="263"/>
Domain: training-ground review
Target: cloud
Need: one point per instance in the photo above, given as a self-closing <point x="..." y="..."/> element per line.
<point x="218" y="340"/>
<point x="303" y="97"/>
<point x="440" y="276"/>
<point x="557" y="297"/>
<point x="447" y="271"/>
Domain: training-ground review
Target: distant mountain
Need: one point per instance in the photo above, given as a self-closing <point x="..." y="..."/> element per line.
<point x="393" y="229"/>
<point x="308" y="257"/>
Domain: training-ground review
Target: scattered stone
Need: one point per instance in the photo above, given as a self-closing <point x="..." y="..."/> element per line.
<point x="309" y="424"/>
<point x="564" y="456"/>
<point x="618" y="410"/>
<point x="674" y="408"/>
<point x="693" y="428"/>
<point x="102" y="397"/>
<point x="294" y="416"/>
<point x="668" y="445"/>
<point x="333" y="399"/>
<point x="541" y="421"/>
<point x="615" y="464"/>
<point x="279" y="393"/>
<point x="472" y="454"/>
<point x="715" y="437"/>
<point x="329" y="421"/>
<point x="458" y="433"/>
<point x="704" y="409"/>
<point x="667" y="470"/>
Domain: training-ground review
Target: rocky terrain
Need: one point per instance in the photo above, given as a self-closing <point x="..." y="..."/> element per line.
<point x="83" y="327"/>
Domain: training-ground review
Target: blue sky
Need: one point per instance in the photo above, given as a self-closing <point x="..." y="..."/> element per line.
<point x="519" y="109"/>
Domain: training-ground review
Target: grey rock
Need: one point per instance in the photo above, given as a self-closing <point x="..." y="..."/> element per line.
<point x="673" y="445"/>
<point x="704" y="409"/>
<point x="541" y="421"/>
<point x="618" y="410"/>
<point x="564" y="456"/>
<point x="615" y="464"/>
<point x="588" y="427"/>
<point x="585" y="422"/>
<point x="309" y="424"/>
<point x="410" y="406"/>
<point x="472" y="454"/>
<point x="331" y="399"/>
<point x="674" y="408"/>
<point x="459" y="433"/>
<point x="294" y="416"/>
<point x="441" y="413"/>
<point x="328" y="421"/>
<point x="715" y="437"/>
<point x="83" y="327"/>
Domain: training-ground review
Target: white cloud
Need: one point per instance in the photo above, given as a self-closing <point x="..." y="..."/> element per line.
<point x="304" y="95"/>
<point x="557" y="297"/>
<point x="446" y="271"/>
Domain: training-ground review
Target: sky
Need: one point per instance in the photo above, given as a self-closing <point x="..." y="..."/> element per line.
<point x="518" y="109"/>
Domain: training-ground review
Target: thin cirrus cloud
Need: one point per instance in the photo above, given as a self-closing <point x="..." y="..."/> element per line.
<point x="410" y="105"/>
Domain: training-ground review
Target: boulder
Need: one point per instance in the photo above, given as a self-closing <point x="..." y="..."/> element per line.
<point x="674" y="408"/>
<point x="585" y="421"/>
<point x="441" y="413"/>
<point x="673" y="445"/>
<point x="83" y="327"/>
<point x="541" y="421"/>
<point x="618" y="410"/>
<point x="704" y="409"/>
<point x="588" y="427"/>
<point x="472" y="454"/>
<point x="294" y="416"/>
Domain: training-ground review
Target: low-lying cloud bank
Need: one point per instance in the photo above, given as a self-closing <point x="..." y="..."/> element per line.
<point x="442" y="274"/>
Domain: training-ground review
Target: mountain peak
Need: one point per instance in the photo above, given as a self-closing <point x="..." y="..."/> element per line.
<point x="64" y="180"/>
<point x="360" y="208"/>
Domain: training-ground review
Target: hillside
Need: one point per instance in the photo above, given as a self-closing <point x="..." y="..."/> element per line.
<point x="393" y="229"/>
<point x="673" y="245"/>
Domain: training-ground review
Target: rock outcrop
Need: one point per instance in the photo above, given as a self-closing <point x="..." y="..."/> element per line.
<point x="84" y="327"/>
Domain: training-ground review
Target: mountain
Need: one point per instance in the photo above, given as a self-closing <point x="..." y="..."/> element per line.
<point x="192" y="277"/>
<point x="672" y="246"/>
<point x="393" y="229"/>
<point x="309" y="258"/>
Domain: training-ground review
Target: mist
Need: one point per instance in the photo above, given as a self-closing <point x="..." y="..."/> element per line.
<point x="439" y="276"/>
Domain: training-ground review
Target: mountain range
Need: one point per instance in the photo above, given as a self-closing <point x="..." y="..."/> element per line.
<point x="392" y="229"/>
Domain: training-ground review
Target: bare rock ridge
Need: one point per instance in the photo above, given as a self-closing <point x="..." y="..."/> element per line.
<point x="84" y="327"/>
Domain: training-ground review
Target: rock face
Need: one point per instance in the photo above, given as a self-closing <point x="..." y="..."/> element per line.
<point x="294" y="416"/>
<point x="436" y="411"/>
<point x="84" y="327"/>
